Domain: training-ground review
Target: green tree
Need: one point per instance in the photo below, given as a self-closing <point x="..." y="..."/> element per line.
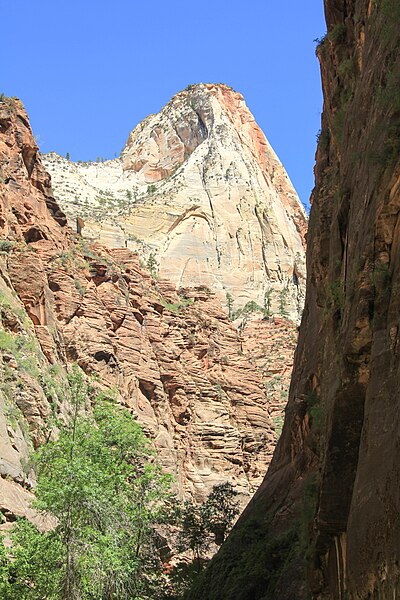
<point x="194" y="535"/>
<point x="152" y="265"/>
<point x="67" y="156"/>
<point x="220" y="510"/>
<point x="229" y="303"/>
<point x="200" y="526"/>
<point x="283" y="301"/>
<point x="97" y="482"/>
<point x="268" y="302"/>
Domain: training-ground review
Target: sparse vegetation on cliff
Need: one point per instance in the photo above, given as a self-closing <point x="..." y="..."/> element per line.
<point x="6" y="245"/>
<point x="152" y="265"/>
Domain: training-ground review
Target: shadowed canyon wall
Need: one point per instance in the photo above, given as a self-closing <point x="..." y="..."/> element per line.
<point x="325" y="522"/>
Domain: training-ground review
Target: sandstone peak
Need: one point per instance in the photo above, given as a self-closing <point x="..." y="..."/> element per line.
<point x="176" y="360"/>
<point x="199" y="187"/>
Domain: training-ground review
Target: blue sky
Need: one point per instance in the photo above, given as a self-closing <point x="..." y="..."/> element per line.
<point x="88" y="71"/>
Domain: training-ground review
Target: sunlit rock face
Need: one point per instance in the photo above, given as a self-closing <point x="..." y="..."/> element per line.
<point x="199" y="187"/>
<point x="175" y="359"/>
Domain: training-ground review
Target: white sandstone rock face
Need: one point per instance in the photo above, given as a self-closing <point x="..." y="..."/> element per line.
<point x="198" y="187"/>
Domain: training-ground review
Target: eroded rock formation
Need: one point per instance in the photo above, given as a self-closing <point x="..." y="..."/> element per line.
<point x="325" y="522"/>
<point x="198" y="187"/>
<point x="175" y="358"/>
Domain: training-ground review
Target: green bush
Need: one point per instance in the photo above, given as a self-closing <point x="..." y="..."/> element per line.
<point x="337" y="295"/>
<point x="152" y="265"/>
<point x="248" y="308"/>
<point x="337" y="33"/>
<point x="6" y="245"/>
<point x="176" y="307"/>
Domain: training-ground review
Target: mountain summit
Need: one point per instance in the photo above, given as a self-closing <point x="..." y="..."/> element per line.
<point x="198" y="189"/>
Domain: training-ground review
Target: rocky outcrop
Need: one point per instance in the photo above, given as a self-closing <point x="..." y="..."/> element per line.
<point x="269" y="344"/>
<point x="174" y="357"/>
<point x="325" y="522"/>
<point x="198" y="188"/>
<point x="175" y="360"/>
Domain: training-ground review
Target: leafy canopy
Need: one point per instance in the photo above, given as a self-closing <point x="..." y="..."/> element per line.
<point x="99" y="483"/>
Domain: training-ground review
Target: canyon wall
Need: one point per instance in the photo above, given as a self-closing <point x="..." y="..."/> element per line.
<point x="191" y="378"/>
<point x="325" y="523"/>
<point x="199" y="191"/>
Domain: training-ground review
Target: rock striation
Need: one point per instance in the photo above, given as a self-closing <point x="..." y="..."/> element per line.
<point x="185" y="371"/>
<point x="325" y="522"/>
<point x="198" y="188"/>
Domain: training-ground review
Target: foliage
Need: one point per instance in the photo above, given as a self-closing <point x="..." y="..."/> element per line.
<point x="9" y="101"/>
<point x="248" y="308"/>
<point x="229" y="303"/>
<point x="339" y="123"/>
<point x="176" y="307"/>
<point x="151" y="189"/>
<point x="106" y="498"/>
<point x="283" y="295"/>
<point x="194" y="535"/>
<point x="89" y="253"/>
<point x="23" y="348"/>
<point x="97" y="482"/>
<point x="220" y="510"/>
<point x="4" y="570"/>
<point x="390" y="17"/>
<point x="250" y="564"/>
<point x="79" y="287"/>
<point x="346" y="68"/>
<point x="316" y="412"/>
<point x="6" y="245"/>
<point x="278" y="424"/>
<point x="35" y="555"/>
<point x="320" y="40"/>
<point x="152" y="265"/>
<point x="251" y="306"/>
<point x="337" y="33"/>
<point x="268" y="302"/>
<point x="337" y="295"/>
<point x="200" y="526"/>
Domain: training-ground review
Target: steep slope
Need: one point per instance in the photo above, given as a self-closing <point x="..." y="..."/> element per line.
<point x="325" y="522"/>
<point x="200" y="189"/>
<point x="175" y="358"/>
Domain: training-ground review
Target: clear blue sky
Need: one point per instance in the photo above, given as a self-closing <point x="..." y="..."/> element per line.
<point x="88" y="71"/>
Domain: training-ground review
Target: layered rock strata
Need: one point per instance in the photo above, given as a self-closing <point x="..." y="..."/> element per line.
<point x="269" y="344"/>
<point x="325" y="522"/>
<point x="200" y="190"/>
<point x="174" y="357"/>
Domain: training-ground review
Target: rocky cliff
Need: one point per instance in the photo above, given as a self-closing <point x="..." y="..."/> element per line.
<point x="325" y="522"/>
<point x="200" y="190"/>
<point x="190" y="377"/>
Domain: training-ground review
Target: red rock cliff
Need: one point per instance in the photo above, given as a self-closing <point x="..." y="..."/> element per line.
<point x="175" y="359"/>
<point x="325" y="522"/>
